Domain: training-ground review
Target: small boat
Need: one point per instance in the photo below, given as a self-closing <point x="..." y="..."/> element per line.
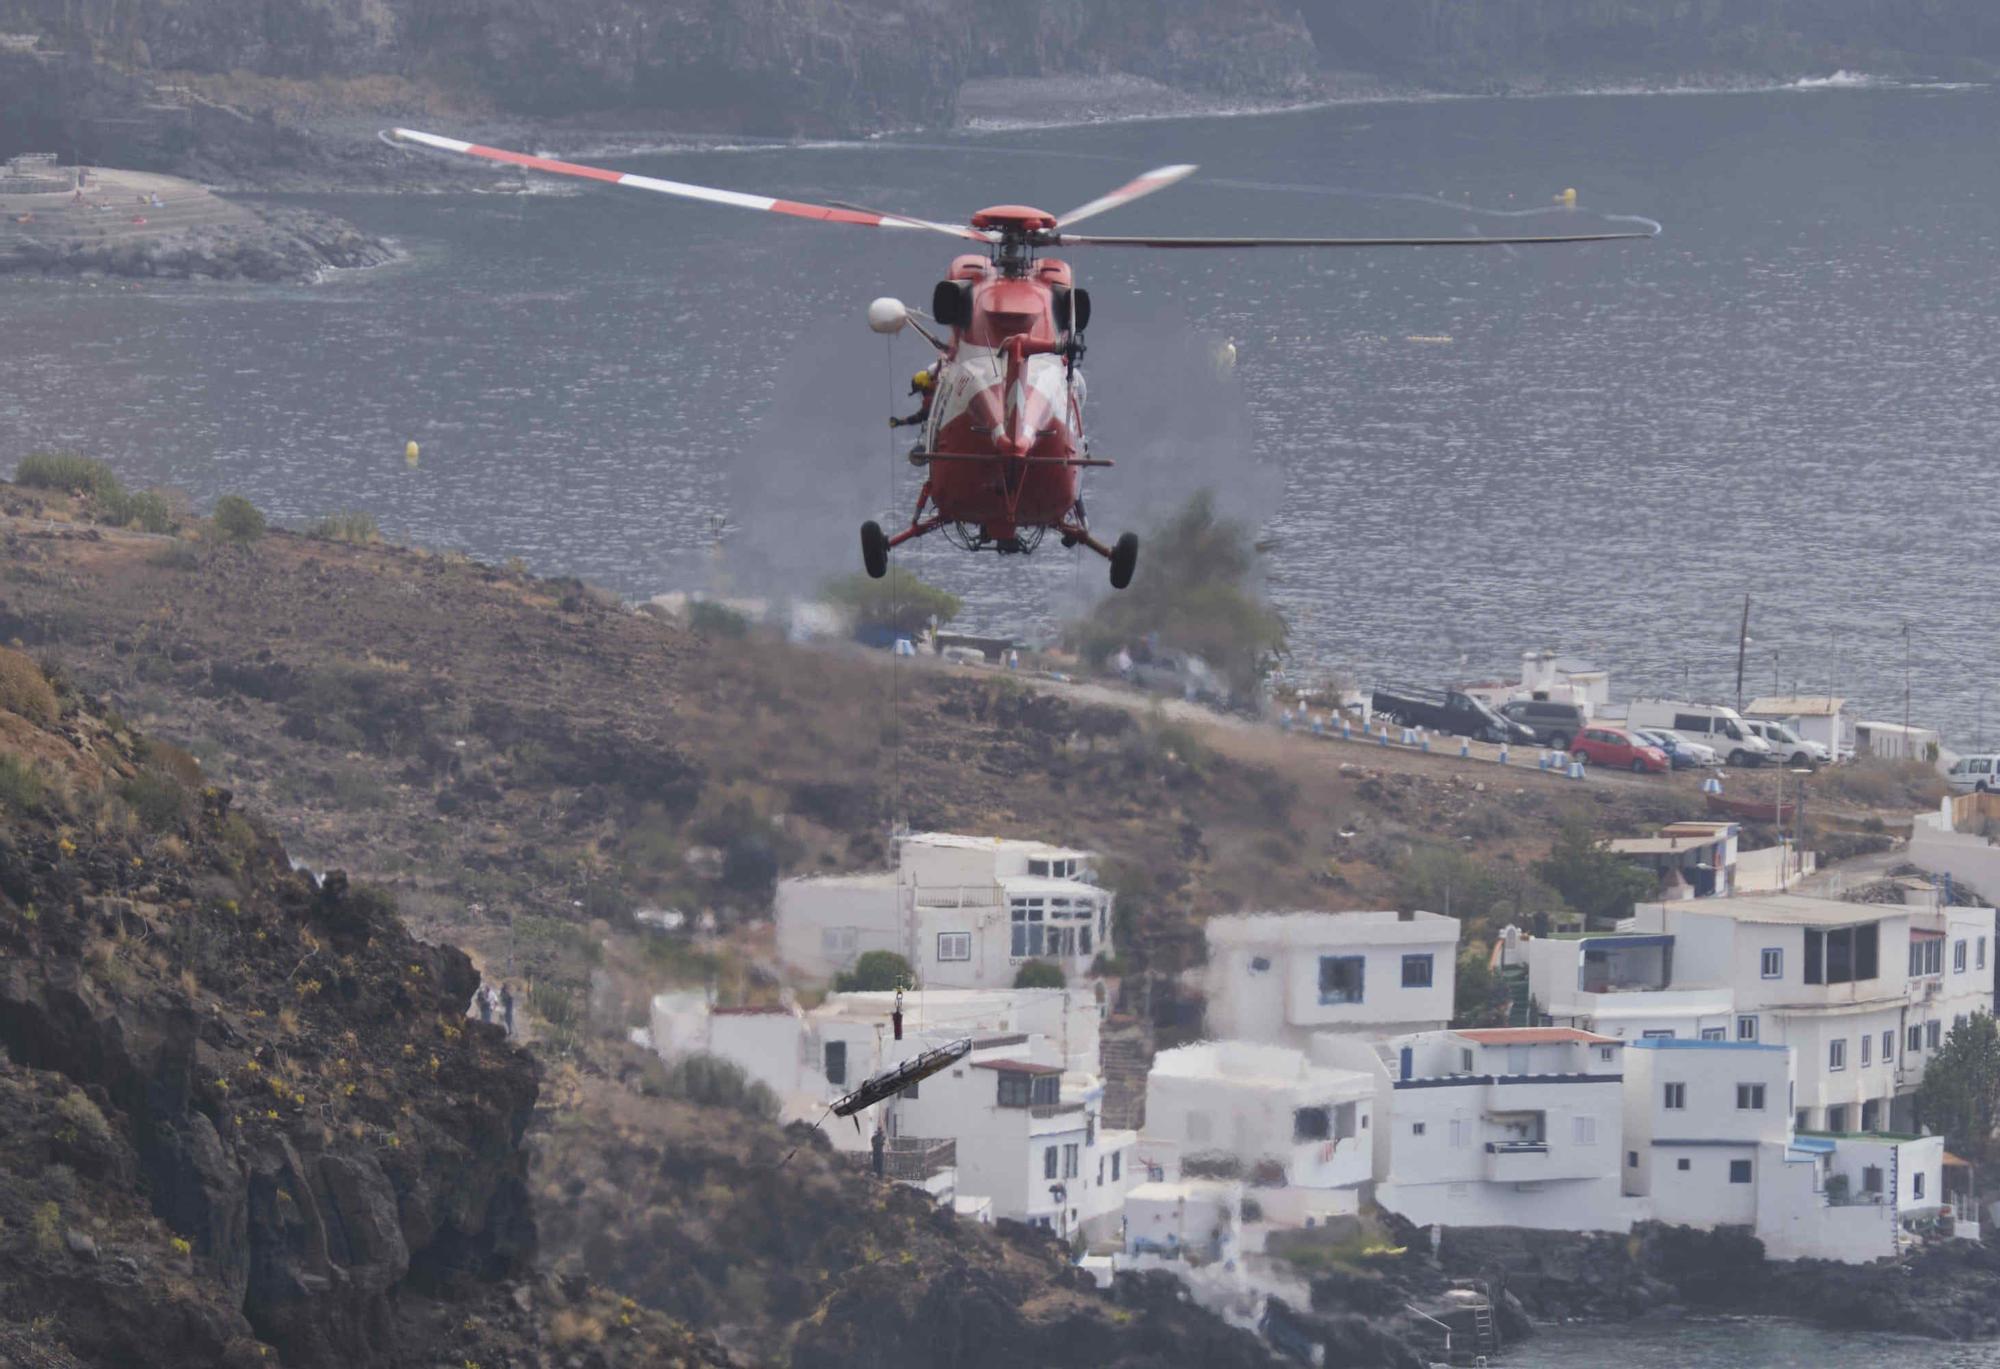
<point x="1753" y="810"/>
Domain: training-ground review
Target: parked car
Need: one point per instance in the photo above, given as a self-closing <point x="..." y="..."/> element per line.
<point x="1447" y="710"/>
<point x="1715" y="725"/>
<point x="1552" y="723"/>
<point x="1788" y="746"/>
<point x="1974" y="775"/>
<point x="1682" y="754"/>
<point x="1181" y="673"/>
<point x="1598" y="745"/>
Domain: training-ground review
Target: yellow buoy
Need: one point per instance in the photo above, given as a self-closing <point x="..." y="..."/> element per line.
<point x="410" y="452"/>
<point x="1567" y="199"/>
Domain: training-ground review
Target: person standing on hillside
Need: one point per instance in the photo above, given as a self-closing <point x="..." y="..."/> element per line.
<point x="507" y="1008"/>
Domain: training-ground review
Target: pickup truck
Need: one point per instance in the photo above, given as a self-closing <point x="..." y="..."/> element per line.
<point x="1448" y="711"/>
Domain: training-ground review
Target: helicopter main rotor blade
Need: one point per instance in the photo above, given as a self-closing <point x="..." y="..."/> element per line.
<point x="1534" y="240"/>
<point x="736" y="199"/>
<point x="1159" y="178"/>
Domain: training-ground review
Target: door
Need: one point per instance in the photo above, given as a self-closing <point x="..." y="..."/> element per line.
<point x="1409" y="1061"/>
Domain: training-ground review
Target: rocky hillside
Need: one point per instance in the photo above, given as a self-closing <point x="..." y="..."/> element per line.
<point x="243" y="1119"/>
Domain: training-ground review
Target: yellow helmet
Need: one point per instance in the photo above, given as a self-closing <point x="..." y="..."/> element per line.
<point x="922" y="380"/>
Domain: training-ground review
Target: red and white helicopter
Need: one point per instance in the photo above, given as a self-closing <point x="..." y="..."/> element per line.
<point x="1002" y="442"/>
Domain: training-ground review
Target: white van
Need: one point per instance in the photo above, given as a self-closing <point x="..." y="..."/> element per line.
<point x="1974" y="775"/>
<point x="1715" y="725"/>
<point x="1788" y="745"/>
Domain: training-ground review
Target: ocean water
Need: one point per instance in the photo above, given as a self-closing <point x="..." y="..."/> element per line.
<point x="1733" y="1343"/>
<point x="1793" y="393"/>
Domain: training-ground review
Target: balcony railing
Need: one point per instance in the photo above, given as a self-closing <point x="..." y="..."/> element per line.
<point x="1517" y="1147"/>
<point x="909" y="1159"/>
<point x="1054" y="1109"/>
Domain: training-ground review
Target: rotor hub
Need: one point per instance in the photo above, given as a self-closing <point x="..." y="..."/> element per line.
<point x="1013" y="219"/>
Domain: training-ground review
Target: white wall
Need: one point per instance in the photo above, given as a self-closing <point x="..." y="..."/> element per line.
<point x="1580" y="1205"/>
<point x="1281" y="1003"/>
<point x="1968" y="858"/>
<point x="824" y="924"/>
<point x="1244" y="1108"/>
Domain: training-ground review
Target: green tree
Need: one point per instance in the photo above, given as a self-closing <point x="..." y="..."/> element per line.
<point x="1960" y="1094"/>
<point x="1479" y="997"/>
<point x="1443" y="879"/>
<point x="1038" y="974"/>
<point x="899" y="600"/>
<point x="237" y="519"/>
<point x="875" y="972"/>
<point x="1600" y="885"/>
<point x="1197" y="589"/>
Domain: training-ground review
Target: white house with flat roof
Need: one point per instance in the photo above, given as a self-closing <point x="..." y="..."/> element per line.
<point x="1862" y="992"/>
<point x="1709" y="1142"/>
<point x="965" y="912"/>
<point x="1302" y="1133"/>
<point x="1283" y="977"/>
<point x="1622" y="984"/>
<point x="1511" y="1126"/>
<point x="1690" y="859"/>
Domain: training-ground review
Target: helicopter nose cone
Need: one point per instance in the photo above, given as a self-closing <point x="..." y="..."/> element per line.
<point x="887" y="315"/>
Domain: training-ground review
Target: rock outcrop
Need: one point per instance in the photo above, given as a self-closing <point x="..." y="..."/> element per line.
<point x="243" y="1117"/>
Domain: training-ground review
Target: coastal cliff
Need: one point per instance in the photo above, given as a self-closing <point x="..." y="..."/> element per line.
<point x="246" y="91"/>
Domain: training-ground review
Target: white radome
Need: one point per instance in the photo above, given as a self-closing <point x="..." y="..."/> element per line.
<point x="887" y="315"/>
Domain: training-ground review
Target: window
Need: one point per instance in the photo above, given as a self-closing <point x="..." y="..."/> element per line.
<point x="1607" y="1053"/>
<point x="836" y="1062"/>
<point x="1465" y="1062"/>
<point x="1871" y="1179"/>
<point x="1917" y="1184"/>
<point x="1683" y="1164"/>
<point x="1340" y="978"/>
<point x="1836" y="1118"/>
<point x="1980" y="962"/>
<point x="1045" y="1089"/>
<point x="1631" y="1159"/>
<point x="1749" y="1097"/>
<point x="1662" y="1035"/>
<point x="1100" y="1171"/>
<point x="1746" y="1029"/>
<point x="1090" y="1132"/>
<point x="1888" y="1045"/>
<point x="1048" y="1162"/>
<point x="1932" y="1031"/>
<point x="1676" y="1097"/>
<point x="1069" y="1160"/>
<point x="1836" y="1053"/>
<point x="1867" y="1040"/>
<point x="1933" y="955"/>
<point x="1714" y="1034"/>
<point x="1416" y="1128"/>
<point x="1117" y="1156"/>
<point x="1311" y="1124"/>
<point x="1916" y="958"/>
<point x="1739" y="1171"/>
<point x="910" y="1092"/>
<point x="1028" y="929"/>
<point x="1916" y="1041"/>
<point x="837" y="943"/>
<point x="1842" y="955"/>
<point x="1799" y="1120"/>
<point x="1416" y="971"/>
<point x="1260" y="964"/>
<point x="954" y="946"/>
<point x="1583" y="1130"/>
<point x="1774" y="962"/>
<point x="1014" y="1090"/>
<point x="1958" y="956"/>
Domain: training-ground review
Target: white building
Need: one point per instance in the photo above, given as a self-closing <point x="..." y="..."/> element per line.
<point x="1709" y="1142"/>
<point x="1028" y="1136"/>
<point x="965" y="912"/>
<point x="1953" y="842"/>
<point x="1301" y="1132"/>
<point x="1862" y="992"/>
<point x="1193" y="1219"/>
<point x="1623" y="985"/>
<point x="1897" y="742"/>
<point x="1690" y="859"/>
<point x="1506" y="1127"/>
<point x="1283" y="977"/>
<point x="1548" y="675"/>
<point x="1816" y="718"/>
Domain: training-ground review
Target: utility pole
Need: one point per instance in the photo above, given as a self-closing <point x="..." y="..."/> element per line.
<point x="1906" y="682"/>
<point x="1776" y="688"/>
<point x="1742" y="648"/>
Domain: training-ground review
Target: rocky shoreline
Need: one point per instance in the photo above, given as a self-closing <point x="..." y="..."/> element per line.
<point x="282" y="245"/>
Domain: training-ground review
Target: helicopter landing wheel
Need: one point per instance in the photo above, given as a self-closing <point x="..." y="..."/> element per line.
<point x="1124" y="558"/>
<point x="874" y="550"/>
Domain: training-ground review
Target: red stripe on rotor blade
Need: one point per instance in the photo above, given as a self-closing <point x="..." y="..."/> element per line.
<point x="501" y="154"/>
<point x="820" y="211"/>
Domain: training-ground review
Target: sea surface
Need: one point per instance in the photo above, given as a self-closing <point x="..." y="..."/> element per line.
<point x="1732" y="1343"/>
<point x="1794" y="392"/>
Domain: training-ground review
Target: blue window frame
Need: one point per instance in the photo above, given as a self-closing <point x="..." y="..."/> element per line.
<point x="1417" y="971"/>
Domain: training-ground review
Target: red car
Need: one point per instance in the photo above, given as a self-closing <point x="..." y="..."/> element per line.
<point x="1615" y="746"/>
